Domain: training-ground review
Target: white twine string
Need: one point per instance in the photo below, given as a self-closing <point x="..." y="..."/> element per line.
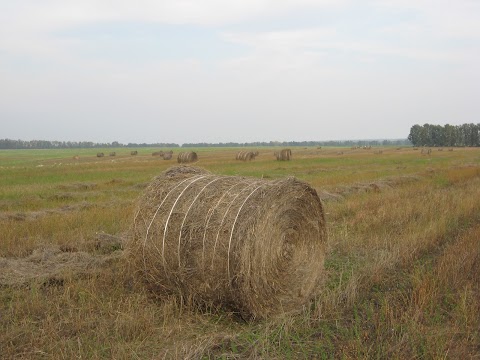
<point x="209" y="216"/>
<point x="224" y="216"/>
<point x="233" y="227"/>
<point x="186" y="214"/>
<point x="153" y="218"/>
<point x="171" y="211"/>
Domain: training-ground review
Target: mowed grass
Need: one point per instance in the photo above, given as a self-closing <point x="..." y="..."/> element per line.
<point x="403" y="259"/>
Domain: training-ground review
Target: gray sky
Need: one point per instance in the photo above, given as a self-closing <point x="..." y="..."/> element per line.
<point x="247" y="70"/>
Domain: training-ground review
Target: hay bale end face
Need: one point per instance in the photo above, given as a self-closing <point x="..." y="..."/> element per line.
<point x="187" y="157"/>
<point x="250" y="245"/>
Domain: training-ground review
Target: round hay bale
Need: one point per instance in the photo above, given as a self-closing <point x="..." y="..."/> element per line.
<point x="168" y="155"/>
<point x="100" y="154"/>
<point x="187" y="157"/>
<point x="113" y="153"/>
<point x="283" y="155"/>
<point x="246" y="155"/>
<point x="157" y="153"/>
<point x="249" y="245"/>
<point x="135" y="152"/>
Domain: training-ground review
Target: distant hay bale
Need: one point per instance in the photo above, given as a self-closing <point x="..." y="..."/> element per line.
<point x="113" y="153"/>
<point x="451" y="149"/>
<point x="135" y="152"/>
<point x="100" y="154"/>
<point x="187" y="157"/>
<point x="157" y="153"/>
<point x="283" y="155"/>
<point x="246" y="155"/>
<point x="250" y="245"/>
<point x="168" y="155"/>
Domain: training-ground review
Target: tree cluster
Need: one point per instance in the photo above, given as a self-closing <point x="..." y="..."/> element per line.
<point x="448" y="135"/>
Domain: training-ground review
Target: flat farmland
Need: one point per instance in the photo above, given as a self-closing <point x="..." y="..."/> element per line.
<point x="402" y="268"/>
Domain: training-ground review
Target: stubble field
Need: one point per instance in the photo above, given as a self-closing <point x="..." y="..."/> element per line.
<point x="402" y="264"/>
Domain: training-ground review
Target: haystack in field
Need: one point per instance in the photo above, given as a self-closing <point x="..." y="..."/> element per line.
<point x="246" y="155"/>
<point x="187" y="157"/>
<point x="100" y="154"/>
<point x="283" y="155"/>
<point x="134" y="152"/>
<point x="168" y="155"/>
<point x="113" y="153"/>
<point x="250" y="245"/>
<point x="157" y="153"/>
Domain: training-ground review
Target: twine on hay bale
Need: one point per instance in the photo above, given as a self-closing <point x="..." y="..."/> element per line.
<point x="246" y="155"/>
<point x="249" y="245"/>
<point x="283" y="155"/>
<point x="187" y="157"/>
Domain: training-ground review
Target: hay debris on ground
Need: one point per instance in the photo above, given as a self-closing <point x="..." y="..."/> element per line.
<point x="187" y="157"/>
<point x="51" y="264"/>
<point x="250" y="245"/>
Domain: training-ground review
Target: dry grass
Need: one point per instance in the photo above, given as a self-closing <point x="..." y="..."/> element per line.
<point x="402" y="263"/>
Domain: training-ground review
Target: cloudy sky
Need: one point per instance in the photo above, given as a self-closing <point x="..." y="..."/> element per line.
<point x="236" y="70"/>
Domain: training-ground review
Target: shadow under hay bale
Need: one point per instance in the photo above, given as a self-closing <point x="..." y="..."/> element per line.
<point x="250" y="245"/>
<point x="187" y="157"/>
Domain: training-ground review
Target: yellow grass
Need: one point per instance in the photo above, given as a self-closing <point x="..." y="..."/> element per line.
<point x="403" y="259"/>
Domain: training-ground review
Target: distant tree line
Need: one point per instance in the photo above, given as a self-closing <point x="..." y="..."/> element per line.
<point x="348" y="143"/>
<point x="46" y="144"/>
<point x="448" y="135"/>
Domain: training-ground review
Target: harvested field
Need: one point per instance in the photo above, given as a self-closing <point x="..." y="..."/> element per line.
<point x="400" y="276"/>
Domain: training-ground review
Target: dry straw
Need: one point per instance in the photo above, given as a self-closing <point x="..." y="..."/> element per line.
<point x="249" y="245"/>
<point x="167" y="155"/>
<point x="246" y="155"/>
<point x="187" y="157"/>
<point x="283" y="155"/>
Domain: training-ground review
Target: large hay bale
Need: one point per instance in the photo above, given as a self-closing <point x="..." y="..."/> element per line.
<point x="100" y="154"/>
<point x="249" y="245"/>
<point x="135" y="152"/>
<point x="246" y="155"/>
<point x="283" y="155"/>
<point x="187" y="157"/>
<point x="167" y="155"/>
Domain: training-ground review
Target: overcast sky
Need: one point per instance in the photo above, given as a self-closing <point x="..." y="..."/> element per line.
<point x="247" y="70"/>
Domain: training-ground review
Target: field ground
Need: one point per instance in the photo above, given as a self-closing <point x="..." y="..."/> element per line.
<point x="403" y="259"/>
